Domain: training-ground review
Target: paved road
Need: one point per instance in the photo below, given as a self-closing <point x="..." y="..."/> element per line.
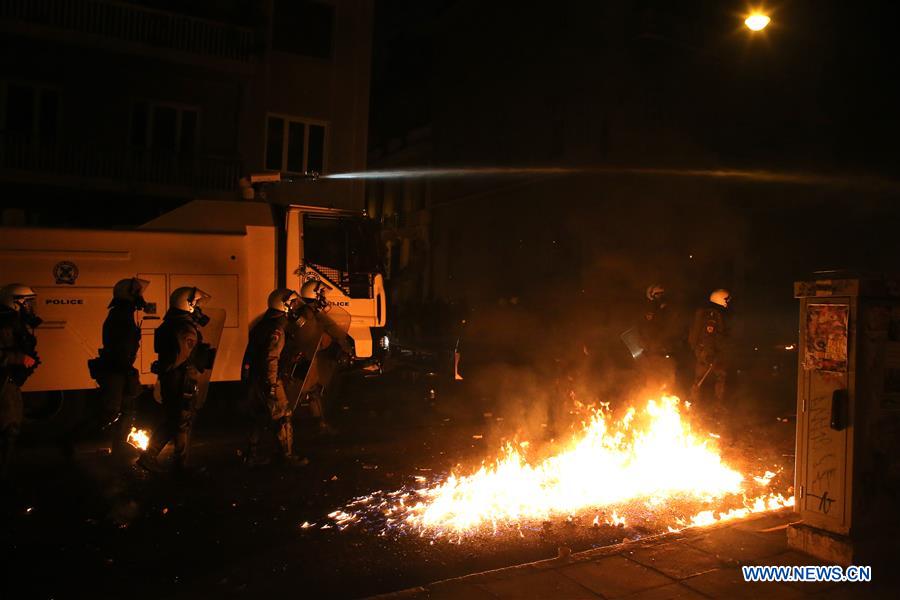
<point x="89" y="525"/>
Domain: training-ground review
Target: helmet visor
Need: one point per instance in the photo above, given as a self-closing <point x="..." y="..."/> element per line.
<point x="27" y="303"/>
<point x="139" y="286"/>
<point x="292" y="301"/>
<point x="199" y="298"/>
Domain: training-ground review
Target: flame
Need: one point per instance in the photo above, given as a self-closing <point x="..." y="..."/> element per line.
<point x="765" y="478"/>
<point x="139" y="438"/>
<point x="616" y="520"/>
<point x="611" y="463"/>
<point x="651" y="455"/>
<point x="757" y="505"/>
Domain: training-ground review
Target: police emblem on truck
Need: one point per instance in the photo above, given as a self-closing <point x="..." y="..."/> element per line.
<point x="65" y="272"/>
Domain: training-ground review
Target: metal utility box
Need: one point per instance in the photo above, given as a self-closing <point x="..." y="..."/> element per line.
<point x="848" y="415"/>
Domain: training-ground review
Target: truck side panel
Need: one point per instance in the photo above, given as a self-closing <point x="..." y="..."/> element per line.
<point x="73" y="272"/>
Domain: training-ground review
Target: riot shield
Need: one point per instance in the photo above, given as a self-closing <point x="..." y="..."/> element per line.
<point x="212" y="335"/>
<point x="328" y="329"/>
<point x="634" y="343"/>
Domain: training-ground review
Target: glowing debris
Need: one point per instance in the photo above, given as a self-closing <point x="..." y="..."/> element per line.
<point x="139" y="438"/>
<point x="764" y="479"/>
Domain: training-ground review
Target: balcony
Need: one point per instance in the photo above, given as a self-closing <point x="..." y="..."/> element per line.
<point x="132" y="25"/>
<point x="24" y="159"/>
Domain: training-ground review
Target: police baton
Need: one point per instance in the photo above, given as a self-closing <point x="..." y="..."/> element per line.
<point x="697" y="385"/>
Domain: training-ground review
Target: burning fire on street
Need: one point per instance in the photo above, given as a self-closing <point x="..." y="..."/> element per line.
<point x="648" y="462"/>
<point x="139" y="438"/>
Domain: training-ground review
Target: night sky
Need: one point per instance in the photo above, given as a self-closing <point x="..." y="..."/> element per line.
<point x="817" y="90"/>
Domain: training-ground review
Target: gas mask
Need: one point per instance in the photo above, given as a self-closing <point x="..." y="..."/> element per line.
<point x="197" y="298"/>
<point x="27" y="314"/>
<point x="198" y="317"/>
<point x="137" y="291"/>
<point x="295" y="309"/>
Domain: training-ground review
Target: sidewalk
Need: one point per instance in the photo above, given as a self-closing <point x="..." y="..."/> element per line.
<point x="698" y="563"/>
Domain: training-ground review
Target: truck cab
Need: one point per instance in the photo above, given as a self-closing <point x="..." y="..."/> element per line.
<point x="341" y="249"/>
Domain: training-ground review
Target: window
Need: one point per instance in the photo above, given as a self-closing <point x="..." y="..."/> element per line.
<point x="346" y="245"/>
<point x="294" y="145"/>
<point x="303" y="27"/>
<point x="168" y="127"/>
<point x="31" y="111"/>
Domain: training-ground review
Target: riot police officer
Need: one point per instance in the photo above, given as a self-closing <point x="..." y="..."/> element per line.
<point x="114" y="370"/>
<point x="709" y="340"/>
<point x="317" y="324"/>
<point x="658" y="332"/>
<point x="655" y="327"/>
<point x="18" y="360"/>
<point x="182" y="356"/>
<point x="272" y="351"/>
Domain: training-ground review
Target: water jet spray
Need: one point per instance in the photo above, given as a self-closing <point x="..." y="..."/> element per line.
<point x="757" y="176"/>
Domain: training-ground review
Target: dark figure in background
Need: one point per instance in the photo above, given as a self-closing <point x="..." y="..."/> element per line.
<point x="458" y="348"/>
<point x="709" y="341"/>
<point x="119" y="381"/>
<point x="18" y="360"/>
<point x="268" y="361"/>
<point x="658" y="333"/>
<point x="182" y="356"/>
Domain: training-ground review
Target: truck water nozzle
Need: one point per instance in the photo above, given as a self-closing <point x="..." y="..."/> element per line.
<point x="274" y="177"/>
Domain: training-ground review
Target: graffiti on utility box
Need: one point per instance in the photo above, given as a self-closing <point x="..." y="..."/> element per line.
<point x="826" y="337"/>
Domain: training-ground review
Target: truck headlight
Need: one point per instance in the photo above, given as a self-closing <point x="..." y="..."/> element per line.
<point x="384" y="342"/>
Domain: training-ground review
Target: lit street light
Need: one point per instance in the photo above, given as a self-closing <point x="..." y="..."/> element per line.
<point x="757" y="21"/>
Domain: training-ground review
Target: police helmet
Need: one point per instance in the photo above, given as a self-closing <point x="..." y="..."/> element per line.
<point x="721" y="297"/>
<point x="283" y="300"/>
<point x="188" y="298"/>
<point x="17" y="296"/>
<point x="655" y="291"/>
<point x="131" y="289"/>
<point x="312" y="291"/>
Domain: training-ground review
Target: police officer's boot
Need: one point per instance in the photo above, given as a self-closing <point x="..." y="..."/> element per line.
<point x="286" y="443"/>
<point x="148" y="459"/>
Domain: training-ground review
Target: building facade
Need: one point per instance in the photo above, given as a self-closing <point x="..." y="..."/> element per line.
<point x="159" y="102"/>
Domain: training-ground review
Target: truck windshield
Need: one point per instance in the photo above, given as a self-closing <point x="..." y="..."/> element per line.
<point x="349" y="245"/>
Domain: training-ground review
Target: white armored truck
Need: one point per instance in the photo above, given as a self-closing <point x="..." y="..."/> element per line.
<point x="236" y="251"/>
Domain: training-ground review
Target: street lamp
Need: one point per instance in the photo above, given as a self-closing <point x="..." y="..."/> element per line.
<point x="757" y="21"/>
